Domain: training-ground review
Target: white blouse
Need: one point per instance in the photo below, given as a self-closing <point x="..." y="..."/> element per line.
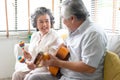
<point x="48" y="43"/>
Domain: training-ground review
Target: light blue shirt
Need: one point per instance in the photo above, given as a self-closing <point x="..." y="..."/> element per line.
<point x="86" y="44"/>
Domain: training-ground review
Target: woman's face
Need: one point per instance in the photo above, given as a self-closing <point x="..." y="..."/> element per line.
<point x="43" y="23"/>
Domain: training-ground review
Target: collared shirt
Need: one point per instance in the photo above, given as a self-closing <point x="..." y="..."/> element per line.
<point x="86" y="44"/>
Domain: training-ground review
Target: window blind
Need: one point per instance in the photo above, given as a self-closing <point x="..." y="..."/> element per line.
<point x="15" y="14"/>
<point x="107" y="14"/>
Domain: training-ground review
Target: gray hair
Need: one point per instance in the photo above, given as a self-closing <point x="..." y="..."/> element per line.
<point x="76" y="8"/>
<point x="41" y="11"/>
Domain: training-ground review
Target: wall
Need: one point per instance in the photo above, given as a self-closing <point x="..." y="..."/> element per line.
<point x="7" y="59"/>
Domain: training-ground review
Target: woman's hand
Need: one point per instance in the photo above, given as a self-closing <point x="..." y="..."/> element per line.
<point x="31" y="66"/>
<point x="27" y="55"/>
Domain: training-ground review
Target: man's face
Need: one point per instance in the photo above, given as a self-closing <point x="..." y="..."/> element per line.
<point x="65" y="20"/>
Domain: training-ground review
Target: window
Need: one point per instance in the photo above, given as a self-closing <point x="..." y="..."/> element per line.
<point x="15" y="14"/>
<point x="106" y="13"/>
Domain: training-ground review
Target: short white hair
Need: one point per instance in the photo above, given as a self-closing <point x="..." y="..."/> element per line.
<point x="74" y="7"/>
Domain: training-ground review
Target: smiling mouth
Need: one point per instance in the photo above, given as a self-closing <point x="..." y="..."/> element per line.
<point x="44" y="29"/>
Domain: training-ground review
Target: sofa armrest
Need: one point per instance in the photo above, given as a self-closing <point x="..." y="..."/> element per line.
<point x="111" y="66"/>
<point x="117" y="76"/>
<point x="18" y="52"/>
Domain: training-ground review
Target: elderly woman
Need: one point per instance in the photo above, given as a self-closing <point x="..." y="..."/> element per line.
<point x="45" y="40"/>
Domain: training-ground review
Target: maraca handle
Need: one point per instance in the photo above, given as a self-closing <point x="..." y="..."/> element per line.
<point x="27" y="54"/>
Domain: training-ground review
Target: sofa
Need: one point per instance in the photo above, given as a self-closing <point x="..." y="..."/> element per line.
<point x="111" y="66"/>
<point x="111" y="63"/>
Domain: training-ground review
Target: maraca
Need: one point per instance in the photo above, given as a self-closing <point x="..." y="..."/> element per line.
<point x="22" y="44"/>
<point x="21" y="59"/>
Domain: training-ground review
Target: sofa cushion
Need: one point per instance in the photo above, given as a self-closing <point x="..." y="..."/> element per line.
<point x="114" y="44"/>
<point x="111" y="66"/>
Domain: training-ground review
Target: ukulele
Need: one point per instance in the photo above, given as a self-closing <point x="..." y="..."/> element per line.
<point x="62" y="53"/>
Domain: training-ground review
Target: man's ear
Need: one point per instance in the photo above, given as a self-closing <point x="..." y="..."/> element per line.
<point x="73" y="19"/>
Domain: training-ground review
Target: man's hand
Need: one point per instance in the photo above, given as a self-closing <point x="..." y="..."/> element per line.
<point x="53" y="61"/>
